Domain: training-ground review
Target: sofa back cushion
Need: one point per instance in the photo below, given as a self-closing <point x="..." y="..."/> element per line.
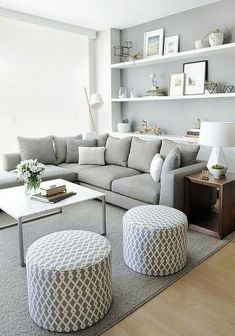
<point x="73" y="148"/>
<point x="188" y="152"/>
<point x="101" y="139"/>
<point x="91" y="155"/>
<point x="171" y="162"/>
<point x="37" y="148"/>
<point x="142" y="153"/>
<point x="61" y="147"/>
<point x="117" y="151"/>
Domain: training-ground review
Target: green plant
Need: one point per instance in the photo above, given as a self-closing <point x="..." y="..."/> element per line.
<point x="215" y="31"/>
<point x="125" y="121"/>
<point x="217" y="166"/>
<point x="210" y="84"/>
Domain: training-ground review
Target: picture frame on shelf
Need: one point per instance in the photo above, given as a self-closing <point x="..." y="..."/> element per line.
<point x="171" y="45"/>
<point x="196" y="74"/>
<point x="176" y="84"/>
<point x="153" y="43"/>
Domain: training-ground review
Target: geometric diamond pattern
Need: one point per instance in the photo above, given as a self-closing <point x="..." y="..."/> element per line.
<point x="155" y="239"/>
<point x="69" y="280"/>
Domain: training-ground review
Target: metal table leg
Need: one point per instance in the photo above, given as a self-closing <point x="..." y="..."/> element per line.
<point x="103" y="215"/>
<point x="21" y="244"/>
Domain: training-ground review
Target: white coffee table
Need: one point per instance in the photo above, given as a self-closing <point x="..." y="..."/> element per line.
<point x="23" y="209"/>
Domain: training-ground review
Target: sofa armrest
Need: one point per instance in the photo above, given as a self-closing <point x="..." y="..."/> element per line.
<point x="172" y="185"/>
<point x="10" y="161"/>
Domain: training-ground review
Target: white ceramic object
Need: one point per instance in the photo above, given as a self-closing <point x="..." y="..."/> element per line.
<point x="123" y="127"/>
<point x="218" y="173"/>
<point x="199" y="44"/>
<point x="216" y="39"/>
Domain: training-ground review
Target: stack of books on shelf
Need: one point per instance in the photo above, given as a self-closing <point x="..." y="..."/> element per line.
<point x="154" y="92"/>
<point x="193" y="133"/>
<point x="52" y="193"/>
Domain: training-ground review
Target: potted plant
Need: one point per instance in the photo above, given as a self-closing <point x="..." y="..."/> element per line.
<point x="30" y="172"/>
<point x="218" y="170"/>
<point x="216" y="37"/>
<point x="123" y="126"/>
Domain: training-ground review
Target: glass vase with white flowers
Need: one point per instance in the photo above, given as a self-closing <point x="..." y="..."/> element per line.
<point x="30" y="171"/>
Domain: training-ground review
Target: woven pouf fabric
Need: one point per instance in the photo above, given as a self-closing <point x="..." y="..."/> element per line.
<point x="69" y="280"/>
<point x="155" y="239"/>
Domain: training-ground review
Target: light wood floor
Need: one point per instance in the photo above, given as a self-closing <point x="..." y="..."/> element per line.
<point x="202" y="303"/>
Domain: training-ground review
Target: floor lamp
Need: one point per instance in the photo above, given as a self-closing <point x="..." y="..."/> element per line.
<point x="95" y="103"/>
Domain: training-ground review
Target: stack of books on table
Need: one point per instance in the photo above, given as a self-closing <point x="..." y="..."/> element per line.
<point x="193" y="133"/>
<point x="52" y="193"/>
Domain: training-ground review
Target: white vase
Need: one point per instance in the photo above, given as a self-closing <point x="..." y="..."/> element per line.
<point x="216" y="39"/>
<point x="199" y="44"/>
<point x="123" y="127"/>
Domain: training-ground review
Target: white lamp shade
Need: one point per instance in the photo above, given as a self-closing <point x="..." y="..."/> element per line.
<point x="217" y="134"/>
<point x="96" y="100"/>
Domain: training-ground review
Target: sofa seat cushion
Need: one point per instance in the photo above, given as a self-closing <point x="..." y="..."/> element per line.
<point x="9" y="180"/>
<point x="75" y="167"/>
<point x="140" y="187"/>
<point x="103" y="176"/>
<point x="53" y="172"/>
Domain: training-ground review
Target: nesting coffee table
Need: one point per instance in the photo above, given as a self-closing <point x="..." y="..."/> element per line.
<point x="23" y="209"/>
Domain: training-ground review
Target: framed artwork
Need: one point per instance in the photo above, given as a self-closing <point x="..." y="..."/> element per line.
<point x="171" y="45"/>
<point x="195" y="76"/>
<point x="153" y="43"/>
<point x="176" y="84"/>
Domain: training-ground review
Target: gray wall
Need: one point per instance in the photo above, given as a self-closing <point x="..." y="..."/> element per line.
<point x="175" y="117"/>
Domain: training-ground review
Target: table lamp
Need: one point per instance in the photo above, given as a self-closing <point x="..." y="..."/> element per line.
<point x="217" y="135"/>
<point x="95" y="102"/>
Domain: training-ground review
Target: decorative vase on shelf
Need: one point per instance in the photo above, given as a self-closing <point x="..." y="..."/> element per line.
<point x="216" y="38"/>
<point x="124" y="126"/>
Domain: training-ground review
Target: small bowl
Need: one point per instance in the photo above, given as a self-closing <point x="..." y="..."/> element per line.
<point x="218" y="173"/>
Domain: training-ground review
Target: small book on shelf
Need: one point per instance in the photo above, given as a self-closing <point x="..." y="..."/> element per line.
<point x="54" y="198"/>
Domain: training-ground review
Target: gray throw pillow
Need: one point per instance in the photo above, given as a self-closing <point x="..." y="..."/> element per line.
<point x="37" y="148"/>
<point x="101" y="139"/>
<point x="142" y="153"/>
<point x="61" y="146"/>
<point x="117" y="151"/>
<point x="91" y="156"/>
<point x="72" y="148"/>
<point x="188" y="152"/>
<point x="171" y="162"/>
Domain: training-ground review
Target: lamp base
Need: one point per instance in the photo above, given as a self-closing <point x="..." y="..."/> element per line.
<point x="216" y="157"/>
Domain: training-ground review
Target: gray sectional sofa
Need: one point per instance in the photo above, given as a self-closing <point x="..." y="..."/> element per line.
<point x="124" y="178"/>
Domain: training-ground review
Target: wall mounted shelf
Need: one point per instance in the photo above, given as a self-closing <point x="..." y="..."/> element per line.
<point x="181" y="56"/>
<point x="162" y="98"/>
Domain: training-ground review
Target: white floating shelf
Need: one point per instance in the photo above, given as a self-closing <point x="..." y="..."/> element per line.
<point x="204" y="52"/>
<point x="178" y="138"/>
<point x="160" y="98"/>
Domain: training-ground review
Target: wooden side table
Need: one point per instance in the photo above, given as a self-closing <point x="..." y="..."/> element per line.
<point x="217" y="220"/>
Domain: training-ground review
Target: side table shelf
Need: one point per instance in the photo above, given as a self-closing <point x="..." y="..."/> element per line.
<point x="218" y="219"/>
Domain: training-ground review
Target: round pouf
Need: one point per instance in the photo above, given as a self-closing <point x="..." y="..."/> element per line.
<point x="154" y="239"/>
<point x="69" y="280"/>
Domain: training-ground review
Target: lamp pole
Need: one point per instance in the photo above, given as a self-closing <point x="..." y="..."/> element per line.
<point x="90" y="111"/>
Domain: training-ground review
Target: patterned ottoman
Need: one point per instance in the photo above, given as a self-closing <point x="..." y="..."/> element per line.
<point x="69" y="280"/>
<point x="154" y="239"/>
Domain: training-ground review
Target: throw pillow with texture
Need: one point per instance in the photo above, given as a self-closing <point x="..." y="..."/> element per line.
<point x="188" y="152"/>
<point x="156" y="167"/>
<point x="171" y="162"/>
<point x="142" y="153"/>
<point x="101" y="138"/>
<point x="117" y="151"/>
<point x="60" y="144"/>
<point x="37" y="148"/>
<point x="72" y="148"/>
<point x="91" y="156"/>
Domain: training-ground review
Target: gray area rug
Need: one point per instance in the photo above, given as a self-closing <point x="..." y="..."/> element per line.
<point x="130" y="290"/>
